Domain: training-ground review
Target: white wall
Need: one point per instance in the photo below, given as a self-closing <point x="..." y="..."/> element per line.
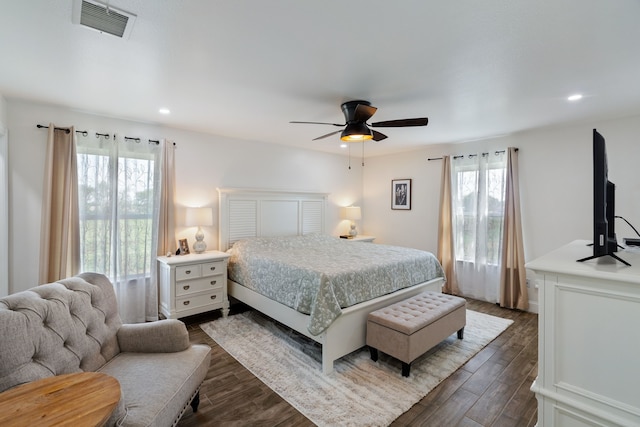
<point x="203" y="163"/>
<point x="555" y="180"/>
<point x="555" y="184"/>
<point x="4" y="198"/>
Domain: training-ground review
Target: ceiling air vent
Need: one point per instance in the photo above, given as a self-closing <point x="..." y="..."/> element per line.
<point x="103" y="18"/>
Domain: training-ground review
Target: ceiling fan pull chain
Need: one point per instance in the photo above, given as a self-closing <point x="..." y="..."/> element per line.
<point x="349" y="156"/>
<point x="362" y="153"/>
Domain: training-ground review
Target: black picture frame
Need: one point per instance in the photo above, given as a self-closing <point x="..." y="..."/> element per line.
<point x="401" y="194"/>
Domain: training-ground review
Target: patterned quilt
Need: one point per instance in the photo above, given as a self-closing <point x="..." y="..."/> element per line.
<point x="320" y="275"/>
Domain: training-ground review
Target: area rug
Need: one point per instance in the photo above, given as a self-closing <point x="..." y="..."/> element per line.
<point x="359" y="392"/>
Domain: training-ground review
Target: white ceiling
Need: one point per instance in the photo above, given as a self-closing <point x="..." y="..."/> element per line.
<point x="245" y="68"/>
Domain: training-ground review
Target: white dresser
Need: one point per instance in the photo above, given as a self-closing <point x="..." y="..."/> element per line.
<point x="589" y="338"/>
<point x="192" y="284"/>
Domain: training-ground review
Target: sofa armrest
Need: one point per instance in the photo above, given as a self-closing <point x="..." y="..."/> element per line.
<point x="162" y="336"/>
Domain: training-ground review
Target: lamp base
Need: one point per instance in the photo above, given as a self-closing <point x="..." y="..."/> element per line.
<point x="353" y="232"/>
<point x="199" y="246"/>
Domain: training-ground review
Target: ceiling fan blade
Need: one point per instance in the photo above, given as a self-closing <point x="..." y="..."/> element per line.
<point x="320" y="123"/>
<point x="324" y="136"/>
<point x="363" y="112"/>
<point x="401" y="123"/>
<point x="377" y="136"/>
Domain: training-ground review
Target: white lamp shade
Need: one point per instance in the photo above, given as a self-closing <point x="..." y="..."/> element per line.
<point x="353" y="213"/>
<point x="199" y="217"/>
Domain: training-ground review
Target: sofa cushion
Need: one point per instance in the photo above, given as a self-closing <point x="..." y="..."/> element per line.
<point x="157" y="386"/>
<point x="162" y="336"/>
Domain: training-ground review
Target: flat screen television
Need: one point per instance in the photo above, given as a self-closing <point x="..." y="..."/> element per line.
<point x="604" y="202"/>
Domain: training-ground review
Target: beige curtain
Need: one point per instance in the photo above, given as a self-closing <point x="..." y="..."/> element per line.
<point x="167" y="229"/>
<point x="60" y="235"/>
<point x="446" y="252"/>
<point x="513" y="285"/>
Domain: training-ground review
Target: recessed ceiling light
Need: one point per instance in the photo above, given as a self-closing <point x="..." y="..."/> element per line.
<point x="343" y="145"/>
<point x="575" y="97"/>
<point x="164" y="111"/>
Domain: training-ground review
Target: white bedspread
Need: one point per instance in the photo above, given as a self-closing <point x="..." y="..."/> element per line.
<point x="319" y="275"/>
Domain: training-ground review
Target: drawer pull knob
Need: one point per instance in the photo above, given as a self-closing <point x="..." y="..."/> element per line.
<point x="214" y="296"/>
<point x="213" y="282"/>
<point x="213" y="268"/>
<point x="186" y="287"/>
<point x="186" y="302"/>
<point x="187" y="272"/>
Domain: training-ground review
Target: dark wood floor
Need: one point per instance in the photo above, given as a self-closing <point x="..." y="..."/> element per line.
<point x="491" y="389"/>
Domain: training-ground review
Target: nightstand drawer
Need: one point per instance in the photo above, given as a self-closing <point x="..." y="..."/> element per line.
<point x="210" y="299"/>
<point x="199" y="285"/>
<point x="184" y="272"/>
<point x="212" y="268"/>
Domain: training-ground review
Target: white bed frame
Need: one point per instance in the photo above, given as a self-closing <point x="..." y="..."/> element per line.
<point x="253" y="213"/>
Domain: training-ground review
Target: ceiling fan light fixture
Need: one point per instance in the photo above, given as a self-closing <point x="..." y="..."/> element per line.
<point x="356" y="129"/>
<point x="356" y="132"/>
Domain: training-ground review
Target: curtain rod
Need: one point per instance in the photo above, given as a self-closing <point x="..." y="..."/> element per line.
<point x="470" y="155"/>
<point x="47" y="127"/>
<point x="128" y="138"/>
<point x="106" y="135"/>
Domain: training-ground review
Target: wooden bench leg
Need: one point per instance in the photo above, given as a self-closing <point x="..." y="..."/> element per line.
<point x="374" y="353"/>
<point x="461" y="333"/>
<point x="406" y="367"/>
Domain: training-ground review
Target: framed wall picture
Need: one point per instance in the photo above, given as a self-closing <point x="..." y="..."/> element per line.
<point x="184" y="247"/>
<point x="401" y="194"/>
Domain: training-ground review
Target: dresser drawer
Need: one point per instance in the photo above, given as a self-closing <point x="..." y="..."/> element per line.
<point x="199" y="285"/>
<point x="210" y="299"/>
<point x="184" y="272"/>
<point x="211" y="268"/>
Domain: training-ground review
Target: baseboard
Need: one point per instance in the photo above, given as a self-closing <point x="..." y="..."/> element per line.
<point x="533" y="307"/>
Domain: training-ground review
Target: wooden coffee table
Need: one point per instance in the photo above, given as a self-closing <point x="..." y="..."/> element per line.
<point x="79" y="399"/>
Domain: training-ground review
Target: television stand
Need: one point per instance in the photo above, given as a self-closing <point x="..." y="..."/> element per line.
<point x="592" y="311"/>
<point x="611" y="254"/>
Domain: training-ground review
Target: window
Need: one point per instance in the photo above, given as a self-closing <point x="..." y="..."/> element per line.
<point x="478" y="197"/>
<point x="118" y="185"/>
<point x="477" y="207"/>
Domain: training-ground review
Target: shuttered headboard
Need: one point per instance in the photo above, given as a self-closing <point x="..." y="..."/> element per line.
<point x="246" y="213"/>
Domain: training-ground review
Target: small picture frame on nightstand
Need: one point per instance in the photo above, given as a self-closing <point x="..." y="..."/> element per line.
<point x="183" y="247"/>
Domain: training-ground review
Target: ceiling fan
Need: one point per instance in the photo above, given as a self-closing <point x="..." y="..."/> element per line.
<point x="356" y="128"/>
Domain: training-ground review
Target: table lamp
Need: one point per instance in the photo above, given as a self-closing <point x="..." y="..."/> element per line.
<point x="199" y="217"/>
<point x="353" y="213"/>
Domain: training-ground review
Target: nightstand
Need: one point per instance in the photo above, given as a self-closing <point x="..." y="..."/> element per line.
<point x="361" y="238"/>
<point x="192" y="284"/>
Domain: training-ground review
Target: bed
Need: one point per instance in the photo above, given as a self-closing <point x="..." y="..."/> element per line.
<point x="256" y="225"/>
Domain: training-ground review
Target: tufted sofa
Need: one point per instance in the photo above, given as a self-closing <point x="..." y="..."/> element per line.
<point x="73" y="325"/>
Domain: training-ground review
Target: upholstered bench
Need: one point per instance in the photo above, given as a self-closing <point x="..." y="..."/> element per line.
<point x="407" y="329"/>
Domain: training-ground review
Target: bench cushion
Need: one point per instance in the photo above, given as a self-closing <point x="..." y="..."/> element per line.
<point x="415" y="313"/>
